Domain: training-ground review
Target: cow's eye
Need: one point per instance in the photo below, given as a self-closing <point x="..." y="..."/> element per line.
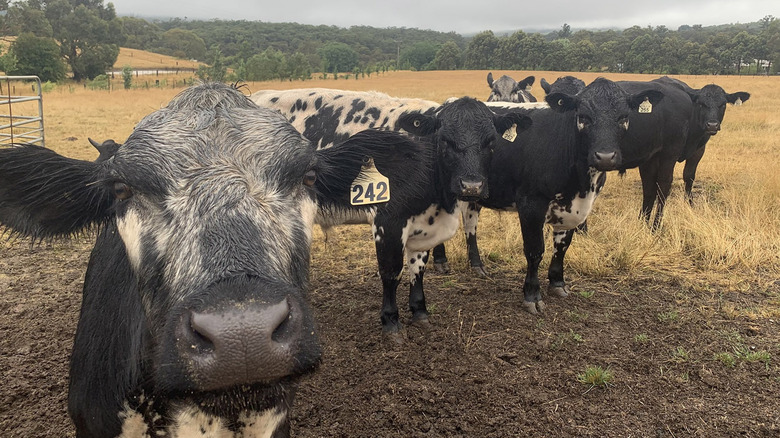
<point x="309" y="178"/>
<point x="122" y="191"/>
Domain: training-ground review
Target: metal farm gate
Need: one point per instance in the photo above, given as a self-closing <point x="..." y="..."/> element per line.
<point x="21" y="120"/>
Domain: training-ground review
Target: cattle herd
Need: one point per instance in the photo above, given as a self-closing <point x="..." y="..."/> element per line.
<point x="194" y="318"/>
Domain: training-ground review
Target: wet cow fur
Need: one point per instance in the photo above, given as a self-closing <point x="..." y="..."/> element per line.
<point x="460" y="135"/>
<point x="194" y="318"/>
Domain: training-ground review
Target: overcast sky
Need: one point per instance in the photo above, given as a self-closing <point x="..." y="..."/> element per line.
<point x="461" y="16"/>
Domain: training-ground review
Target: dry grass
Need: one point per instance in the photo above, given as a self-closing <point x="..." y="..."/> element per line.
<point x="729" y="240"/>
<point x="140" y="59"/>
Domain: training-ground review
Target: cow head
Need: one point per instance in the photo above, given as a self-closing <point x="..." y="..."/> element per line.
<point x="709" y="106"/>
<point x="206" y="213"/>
<point x="564" y="84"/>
<point x="506" y="89"/>
<point x="601" y="113"/>
<point x="465" y="132"/>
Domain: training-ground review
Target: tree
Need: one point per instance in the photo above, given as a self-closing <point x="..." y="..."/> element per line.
<point x="447" y="57"/>
<point x="88" y="34"/>
<point x="338" y="57"/>
<point x="183" y="43"/>
<point x="480" y="51"/>
<point x="419" y="56"/>
<point x="27" y="16"/>
<point x="37" y="56"/>
<point x="216" y="71"/>
<point x="140" y="34"/>
<point x="298" y="67"/>
<point x="565" y="32"/>
<point x="127" y="77"/>
<point x="508" y="50"/>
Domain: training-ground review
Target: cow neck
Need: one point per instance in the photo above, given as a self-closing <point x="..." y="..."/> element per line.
<point x="444" y="197"/>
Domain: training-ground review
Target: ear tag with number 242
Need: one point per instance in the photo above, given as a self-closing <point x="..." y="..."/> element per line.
<point x="370" y="186"/>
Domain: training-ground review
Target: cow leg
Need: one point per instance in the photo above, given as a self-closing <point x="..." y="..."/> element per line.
<point x="389" y="254"/>
<point x="532" y="216"/>
<point x="648" y="172"/>
<point x="665" y="176"/>
<point x="561" y="242"/>
<point x="440" y="263"/>
<point x="689" y="172"/>
<point x="417" y="261"/>
<point x="470" y="220"/>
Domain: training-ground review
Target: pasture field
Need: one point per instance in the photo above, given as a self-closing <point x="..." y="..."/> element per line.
<point x="685" y="322"/>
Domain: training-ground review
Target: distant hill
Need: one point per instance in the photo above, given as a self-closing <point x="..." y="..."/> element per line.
<point x="141" y="59"/>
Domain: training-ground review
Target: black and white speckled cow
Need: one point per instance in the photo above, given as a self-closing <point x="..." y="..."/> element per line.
<point x="506" y="89"/>
<point x="553" y="172"/>
<point x="194" y="320"/>
<point x="461" y="135"/>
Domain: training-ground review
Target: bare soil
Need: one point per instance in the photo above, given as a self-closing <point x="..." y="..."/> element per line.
<point x="486" y="369"/>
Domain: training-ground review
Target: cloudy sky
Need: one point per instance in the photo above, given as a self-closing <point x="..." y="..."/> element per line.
<point x="463" y="16"/>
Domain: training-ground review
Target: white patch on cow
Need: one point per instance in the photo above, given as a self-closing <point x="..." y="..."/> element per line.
<point x="521" y="105"/>
<point x="377" y="233"/>
<point x="308" y="213"/>
<point x="133" y="424"/>
<point x="470" y="219"/>
<point x="625" y="125"/>
<point x="416" y="262"/>
<point x="261" y="424"/>
<point x="557" y="239"/>
<point x="565" y="214"/>
<point x="580" y="125"/>
<point x="129" y="227"/>
<point x="192" y="422"/>
<point x="420" y="235"/>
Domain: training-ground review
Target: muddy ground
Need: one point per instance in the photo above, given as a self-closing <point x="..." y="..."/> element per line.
<point x="681" y="364"/>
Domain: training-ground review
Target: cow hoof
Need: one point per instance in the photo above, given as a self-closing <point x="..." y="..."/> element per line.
<point x="441" y="268"/>
<point x="422" y="323"/>
<point x="559" y="291"/>
<point x="479" y="271"/>
<point x="393" y="338"/>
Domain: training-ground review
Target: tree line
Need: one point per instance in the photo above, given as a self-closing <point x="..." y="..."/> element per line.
<point x="84" y="36"/>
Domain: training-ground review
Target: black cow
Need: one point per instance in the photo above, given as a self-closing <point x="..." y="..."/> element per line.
<point x="461" y="135"/>
<point x="564" y="84"/>
<point x="553" y="172"/>
<point x="506" y="89"/>
<point x="194" y="320"/>
<point x="678" y="130"/>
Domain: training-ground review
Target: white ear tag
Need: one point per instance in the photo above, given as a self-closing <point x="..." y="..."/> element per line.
<point x="645" y="107"/>
<point x="370" y="186"/>
<point x="511" y="133"/>
<point x="738" y="101"/>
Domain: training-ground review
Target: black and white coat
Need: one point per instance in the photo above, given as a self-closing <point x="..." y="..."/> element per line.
<point x="460" y="137"/>
<point x="194" y="319"/>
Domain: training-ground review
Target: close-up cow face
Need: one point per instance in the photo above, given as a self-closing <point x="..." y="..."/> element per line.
<point x="465" y="132"/>
<point x="709" y="106"/>
<point x="602" y="111"/>
<point x="506" y="89"/>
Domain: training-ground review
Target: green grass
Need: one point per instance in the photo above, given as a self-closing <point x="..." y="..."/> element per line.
<point x="596" y="376"/>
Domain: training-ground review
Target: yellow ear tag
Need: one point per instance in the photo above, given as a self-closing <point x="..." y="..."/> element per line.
<point x="738" y="101"/>
<point x="511" y="133"/>
<point x="370" y="186"/>
<point x="645" y="107"/>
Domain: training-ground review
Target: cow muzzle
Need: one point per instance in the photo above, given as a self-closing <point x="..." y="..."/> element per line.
<point x="712" y="127"/>
<point x="472" y="189"/>
<point x="605" y="161"/>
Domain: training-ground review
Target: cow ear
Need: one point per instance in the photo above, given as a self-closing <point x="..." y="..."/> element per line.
<point x="43" y="194"/>
<point x="561" y="102"/>
<point x="418" y="123"/>
<point x="545" y="86"/>
<point x="653" y="96"/>
<point x="490" y="79"/>
<point x="739" y="96"/>
<point x="526" y="83"/>
<point x="505" y="121"/>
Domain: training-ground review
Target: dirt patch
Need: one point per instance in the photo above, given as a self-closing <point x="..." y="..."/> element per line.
<point x="681" y="365"/>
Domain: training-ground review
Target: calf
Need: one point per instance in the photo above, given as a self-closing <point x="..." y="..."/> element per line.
<point x="194" y="318"/>
<point x="506" y="89"/>
<point x="553" y="172"/>
<point x="564" y="84"/>
<point x="677" y="131"/>
<point x="461" y="135"/>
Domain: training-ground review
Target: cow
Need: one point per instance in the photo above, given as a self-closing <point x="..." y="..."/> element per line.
<point x="565" y="84"/>
<point x="461" y="135"/>
<point x="553" y="172"/>
<point x="677" y="131"/>
<point x="506" y="89"/>
<point x="194" y="319"/>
